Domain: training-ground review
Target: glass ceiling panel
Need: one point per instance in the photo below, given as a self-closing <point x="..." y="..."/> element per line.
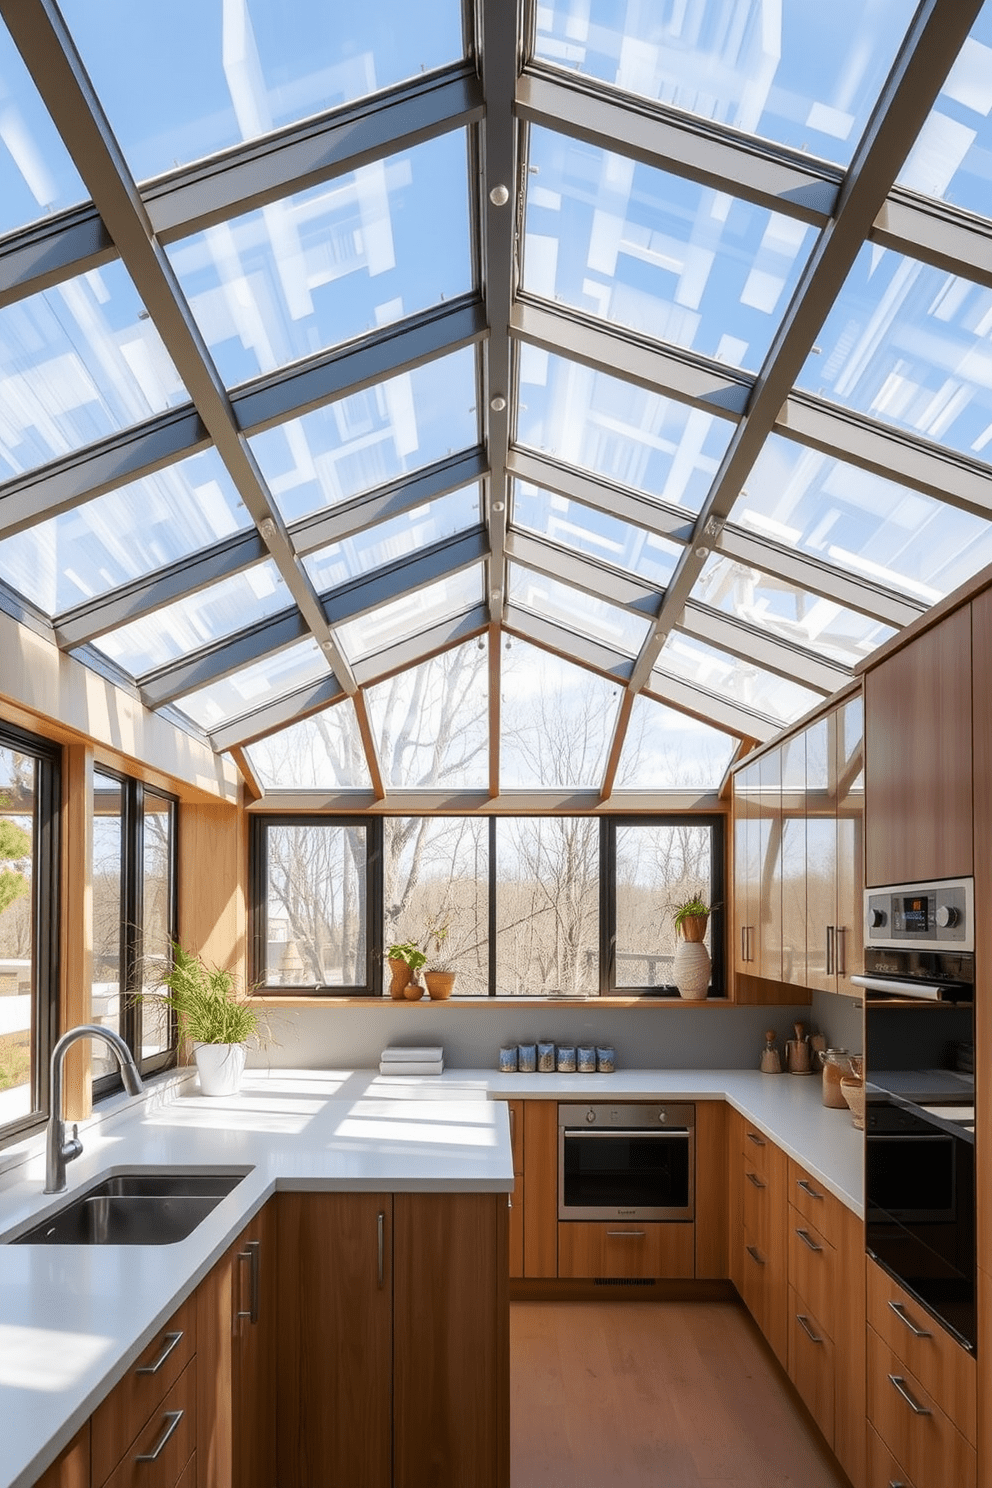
<point x="576" y="610"/>
<point x="734" y="680"/>
<point x="37" y="176"/>
<point x="344" y="258"/>
<point x="410" y="532"/>
<point x="667" y="750"/>
<point x="78" y="362"/>
<point x="796" y="73"/>
<point x="861" y="523"/>
<point x="183" y="80"/>
<point x="197" y="620"/>
<point x="639" y="439"/>
<point x="910" y="345"/>
<point x="400" y="619"/>
<point x="255" y="686"/>
<point x="370" y="438"/>
<point x="124" y="535"/>
<point x="323" y="752"/>
<point x="674" y="260"/>
<point x="583" y="529"/>
<point x="952" y="156"/>
<point x="556" y="722"/>
<point x="432" y="722"/>
<point x="780" y="608"/>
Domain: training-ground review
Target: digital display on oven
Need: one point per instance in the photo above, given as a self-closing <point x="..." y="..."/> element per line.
<point x="915" y="919"/>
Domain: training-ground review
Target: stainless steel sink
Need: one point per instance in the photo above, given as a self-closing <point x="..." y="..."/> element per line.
<point x="142" y="1208"/>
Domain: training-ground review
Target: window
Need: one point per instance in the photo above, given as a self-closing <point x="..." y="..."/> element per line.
<point x="577" y="906"/>
<point x="29" y="920"/>
<point x="134" y="921"/>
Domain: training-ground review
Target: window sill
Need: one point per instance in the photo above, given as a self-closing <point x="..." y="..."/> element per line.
<point x="329" y="1000"/>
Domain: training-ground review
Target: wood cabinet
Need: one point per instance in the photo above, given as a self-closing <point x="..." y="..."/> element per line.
<point x="541" y="1181"/>
<point x="835" y="848"/>
<point x="140" y="1413"/>
<point x="759" y="932"/>
<point x="254" y="1352"/>
<point x="71" y="1468"/>
<point x="622" y="1250"/>
<point x="517" y="1198"/>
<point x="918" y="1433"/>
<point x="918" y="757"/>
<point x="393" y="1349"/>
<point x="758" y="1231"/>
<point x="794" y="860"/>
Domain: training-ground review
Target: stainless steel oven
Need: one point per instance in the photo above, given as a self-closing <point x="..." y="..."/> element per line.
<point x="626" y="1161"/>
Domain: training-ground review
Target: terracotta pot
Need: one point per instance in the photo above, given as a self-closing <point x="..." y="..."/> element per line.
<point x="400" y="973"/>
<point x="693" y="928"/>
<point x="439" y="984"/>
<point x="413" y="991"/>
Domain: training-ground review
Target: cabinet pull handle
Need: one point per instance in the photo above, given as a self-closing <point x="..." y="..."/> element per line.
<point x="808" y="1188"/>
<point x="169" y="1340"/>
<point x="380" y="1231"/>
<point x="625" y="1234"/>
<point x="808" y="1241"/>
<point x="841" y="950"/>
<point x="914" y="1405"/>
<point x="897" y="1483"/>
<point x="758" y="1141"/>
<point x="754" y="1180"/>
<point x="803" y="1322"/>
<point x="750" y="943"/>
<point x="903" y="1317"/>
<point x="513" y="1124"/>
<point x="251" y="1255"/>
<point x="171" y="1419"/>
<point x="755" y="1254"/>
<point x="831" y="950"/>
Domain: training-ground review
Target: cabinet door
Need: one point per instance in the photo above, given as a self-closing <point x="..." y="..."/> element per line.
<point x="769" y="908"/>
<point x="746" y="868"/>
<point x="255" y="1371"/>
<point x="541" y="1178"/>
<point x="335" y="1339"/>
<point x="793" y="865"/>
<point x="451" y="1370"/>
<point x="821" y="856"/>
<point x="71" y="1468"/>
<point x="849" y="733"/>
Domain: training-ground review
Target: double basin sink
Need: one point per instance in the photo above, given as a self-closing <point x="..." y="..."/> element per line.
<point x="150" y="1207"/>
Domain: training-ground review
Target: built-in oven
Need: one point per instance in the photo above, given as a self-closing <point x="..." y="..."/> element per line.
<point x="920" y="1096"/>
<point x="627" y="1161"/>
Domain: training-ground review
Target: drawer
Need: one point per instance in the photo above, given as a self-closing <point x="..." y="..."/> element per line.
<point x="945" y="1369"/>
<point x="626" y="1250"/>
<point x="815" y="1204"/>
<point x="160" y="1453"/>
<point x="117" y="1421"/>
<point x="883" y="1469"/>
<point x="811" y="1363"/>
<point x="758" y="1204"/>
<point x="812" y="1268"/>
<point x="756" y="1148"/>
<point x="516" y="1113"/>
<point x="912" y="1425"/>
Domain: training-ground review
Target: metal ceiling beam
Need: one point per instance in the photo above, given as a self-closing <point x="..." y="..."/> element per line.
<point x="271" y="717"/>
<point x="937" y="234"/>
<point x="763" y="649"/>
<point x="396" y="499"/>
<point x="416" y="649"/>
<point x="481" y="803"/>
<point x="166" y="585"/>
<point x="584" y="574"/>
<point x="619" y="353"/>
<point x="304" y="155"/>
<point x="348" y="601"/>
<point x="815" y="577"/>
<point x="937" y="34"/>
<point x="601" y="495"/>
<point x="664" y="139"/>
<point x="222" y="659"/>
<point x="710" y="708"/>
<point x="567" y="644"/>
<point x="49" y="252"/>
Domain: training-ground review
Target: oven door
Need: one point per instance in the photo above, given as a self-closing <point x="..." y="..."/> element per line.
<point x="627" y="1171"/>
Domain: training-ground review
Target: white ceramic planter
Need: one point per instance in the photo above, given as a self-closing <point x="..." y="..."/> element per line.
<point x="220" y="1067"/>
<point x="691" y="970"/>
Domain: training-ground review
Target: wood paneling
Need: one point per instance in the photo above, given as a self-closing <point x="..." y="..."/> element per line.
<point x="916" y="1430"/>
<point x="213" y="861"/>
<point x="335" y="1340"/>
<point x="711" y="1188"/>
<point x="71" y="1468"/>
<point x="450" y="1341"/>
<point x="117" y="1421"/>
<point x="541" y="1168"/>
<point x="984" y="1442"/>
<point x="164" y="1464"/>
<point x="625" y="1249"/>
<point x="215" y="1310"/>
<point x="256" y="1356"/>
<point x="918" y="761"/>
<point x="77" y="924"/>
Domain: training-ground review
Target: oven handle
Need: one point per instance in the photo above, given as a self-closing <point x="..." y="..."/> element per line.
<point x="922" y="991"/>
<point x="570" y="1132"/>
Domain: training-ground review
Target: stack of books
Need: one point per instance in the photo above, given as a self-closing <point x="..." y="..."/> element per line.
<point x="398" y="1060"/>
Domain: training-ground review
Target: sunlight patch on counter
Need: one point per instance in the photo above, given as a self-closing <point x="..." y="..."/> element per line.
<point x="46" y="1358"/>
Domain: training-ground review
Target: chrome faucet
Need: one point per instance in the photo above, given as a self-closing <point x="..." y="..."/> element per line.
<point x="60" y="1152"/>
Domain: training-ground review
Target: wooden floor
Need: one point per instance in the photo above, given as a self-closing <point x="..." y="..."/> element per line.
<point x="654" y="1395"/>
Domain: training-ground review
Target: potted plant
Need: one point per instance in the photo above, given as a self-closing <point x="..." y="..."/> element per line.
<point x="441" y="958"/>
<point x="691" y="966"/>
<point x="405" y="960"/>
<point x="211" y="1014"/>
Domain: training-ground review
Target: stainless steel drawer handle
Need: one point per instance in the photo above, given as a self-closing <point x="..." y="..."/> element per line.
<point x="755" y="1254"/>
<point x="904" y="1317"/>
<point x="914" y="1405"/>
<point x="758" y="1141"/>
<point x="169" y="1340"/>
<point x="251" y="1255"/>
<point x="625" y="1234"/>
<point x="754" y="1180"/>
<point x="809" y="1242"/>
<point x="803" y="1322"/>
<point x="171" y="1419"/>
<point x="380" y="1232"/>
<point x="808" y="1188"/>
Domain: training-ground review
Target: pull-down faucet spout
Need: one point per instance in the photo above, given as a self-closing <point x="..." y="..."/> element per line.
<point x="59" y="1152"/>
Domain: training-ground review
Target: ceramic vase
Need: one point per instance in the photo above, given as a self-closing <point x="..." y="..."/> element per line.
<point x="220" y="1067"/>
<point x="691" y="970"/>
<point x="439" y="984"/>
<point x="400" y="975"/>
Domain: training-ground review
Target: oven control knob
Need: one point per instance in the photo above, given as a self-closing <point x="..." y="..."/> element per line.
<point x="876" y="918"/>
<point x="590" y="1116"/>
<point x="947" y="916"/>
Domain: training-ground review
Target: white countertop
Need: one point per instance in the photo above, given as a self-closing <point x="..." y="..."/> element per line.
<point x="72" y="1319"/>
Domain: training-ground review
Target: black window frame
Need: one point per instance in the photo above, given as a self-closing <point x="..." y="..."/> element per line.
<point x="373" y="986"/>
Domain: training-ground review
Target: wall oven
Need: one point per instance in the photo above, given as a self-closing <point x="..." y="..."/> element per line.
<point x="627" y="1161"/>
<point x="920" y="1097"/>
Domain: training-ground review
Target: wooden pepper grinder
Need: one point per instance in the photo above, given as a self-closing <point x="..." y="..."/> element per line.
<point x="797" y="1058"/>
<point x="771" y="1060"/>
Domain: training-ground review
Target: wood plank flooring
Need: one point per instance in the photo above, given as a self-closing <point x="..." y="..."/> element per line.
<point x="654" y="1395"/>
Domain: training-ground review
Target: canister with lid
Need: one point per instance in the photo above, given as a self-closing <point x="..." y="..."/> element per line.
<point x="836" y="1063"/>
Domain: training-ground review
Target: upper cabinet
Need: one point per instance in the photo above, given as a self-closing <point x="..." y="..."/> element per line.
<point x="918" y="759"/>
